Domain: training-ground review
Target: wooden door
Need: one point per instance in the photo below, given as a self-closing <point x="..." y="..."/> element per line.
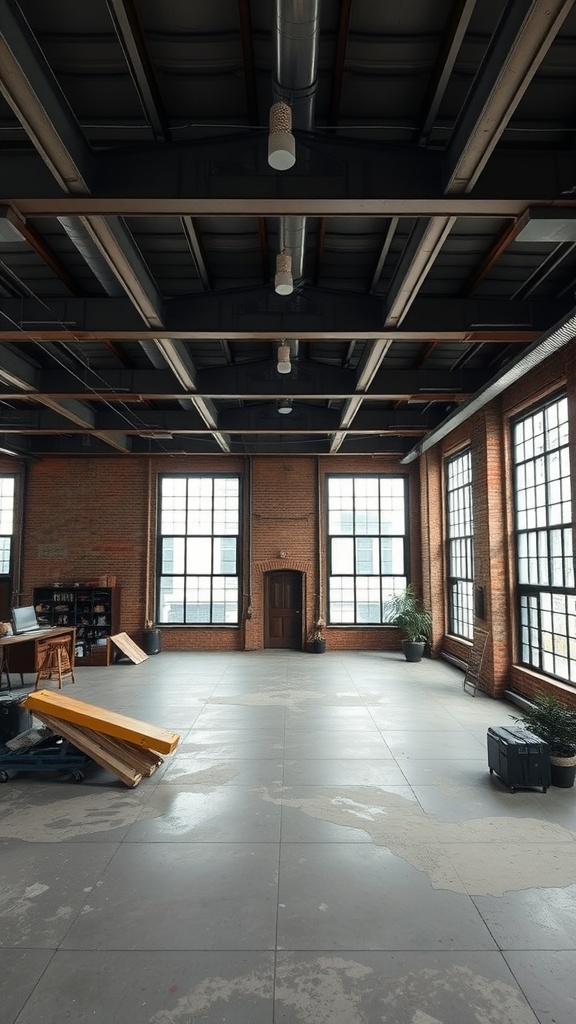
<point x="283" y="606"/>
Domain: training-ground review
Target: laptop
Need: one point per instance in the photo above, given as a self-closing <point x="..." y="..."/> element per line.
<point x="24" y="621"/>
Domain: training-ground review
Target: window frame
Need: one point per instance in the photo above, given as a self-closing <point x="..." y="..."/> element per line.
<point x="531" y="598"/>
<point x="457" y="617"/>
<point x="185" y="575"/>
<point x="355" y="576"/>
<point x="10" y="536"/>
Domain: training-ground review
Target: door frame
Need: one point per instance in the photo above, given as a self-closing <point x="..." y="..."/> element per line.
<point x="266" y="604"/>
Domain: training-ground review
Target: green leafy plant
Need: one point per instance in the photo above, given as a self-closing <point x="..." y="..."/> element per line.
<point x="554" y="722"/>
<point x="406" y="611"/>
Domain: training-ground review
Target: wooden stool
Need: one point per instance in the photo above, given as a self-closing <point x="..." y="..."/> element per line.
<point x="54" y="662"/>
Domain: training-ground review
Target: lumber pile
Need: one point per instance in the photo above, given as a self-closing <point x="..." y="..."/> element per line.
<point x="127" y="747"/>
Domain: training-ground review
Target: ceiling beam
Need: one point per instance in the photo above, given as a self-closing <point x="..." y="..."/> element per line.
<point x="30" y="88"/>
<point x="459" y="20"/>
<point x="134" y="398"/>
<point x="339" y="61"/>
<point x="491" y="257"/>
<point x="519" y="45"/>
<point x="48" y="256"/>
<point x="193" y="241"/>
<point x="20" y="373"/>
<point x="248" y="60"/>
<point x="408" y="207"/>
<point x="422" y="248"/>
<point x="127" y="25"/>
<point x="118" y="248"/>
<point x="260" y="313"/>
<point x="388" y="239"/>
<point x="178" y="178"/>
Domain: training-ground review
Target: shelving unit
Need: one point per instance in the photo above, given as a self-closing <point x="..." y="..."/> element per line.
<point x="95" y="611"/>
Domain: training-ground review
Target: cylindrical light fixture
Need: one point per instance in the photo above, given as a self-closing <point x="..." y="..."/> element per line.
<point x="284" y="365"/>
<point x="284" y="406"/>
<point x="283" y="283"/>
<point x="281" y="143"/>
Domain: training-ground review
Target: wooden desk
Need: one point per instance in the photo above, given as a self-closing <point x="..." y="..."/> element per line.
<point x="22" y="653"/>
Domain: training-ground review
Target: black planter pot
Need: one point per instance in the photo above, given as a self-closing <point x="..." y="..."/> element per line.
<point x="562" y="775"/>
<point x="318" y="646"/>
<point x="413" y="650"/>
<point x="151" y="641"/>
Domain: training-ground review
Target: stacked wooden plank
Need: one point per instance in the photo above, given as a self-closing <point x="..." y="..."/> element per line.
<point x="127" y="747"/>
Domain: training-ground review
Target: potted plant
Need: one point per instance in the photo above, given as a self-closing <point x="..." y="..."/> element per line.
<point x="406" y="611"/>
<point x="555" y="723"/>
<point x="318" y="638"/>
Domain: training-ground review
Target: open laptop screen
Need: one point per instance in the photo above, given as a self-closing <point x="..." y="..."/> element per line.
<point x="24" y="619"/>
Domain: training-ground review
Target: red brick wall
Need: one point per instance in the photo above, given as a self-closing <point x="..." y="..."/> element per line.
<point x="487" y="433"/>
<point x="87" y="517"/>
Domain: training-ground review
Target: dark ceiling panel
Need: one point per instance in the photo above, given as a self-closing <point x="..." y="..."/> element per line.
<point x="405" y="306"/>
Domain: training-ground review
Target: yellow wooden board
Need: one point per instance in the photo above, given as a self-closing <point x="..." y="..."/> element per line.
<point x="142" y="734"/>
<point x="125" y="644"/>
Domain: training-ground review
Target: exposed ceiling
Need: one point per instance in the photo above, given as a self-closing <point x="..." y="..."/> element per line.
<point x="430" y="217"/>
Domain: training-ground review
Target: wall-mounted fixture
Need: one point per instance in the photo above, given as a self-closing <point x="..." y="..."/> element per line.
<point x="281" y="143"/>
<point x="283" y="282"/>
<point x="283" y="365"/>
<point x="284" y="406"/>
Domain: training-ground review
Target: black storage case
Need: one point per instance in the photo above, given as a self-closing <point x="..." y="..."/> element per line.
<point x="521" y="759"/>
<point x="14" y="719"/>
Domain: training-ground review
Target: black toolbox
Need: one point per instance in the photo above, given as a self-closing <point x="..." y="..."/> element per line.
<point x="14" y="718"/>
<point x="521" y="759"/>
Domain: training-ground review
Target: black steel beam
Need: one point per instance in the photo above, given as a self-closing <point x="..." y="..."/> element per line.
<point x="524" y="34"/>
<point x="126" y="21"/>
<point x="458" y="23"/>
<point x="259" y="312"/>
<point x="338" y="170"/>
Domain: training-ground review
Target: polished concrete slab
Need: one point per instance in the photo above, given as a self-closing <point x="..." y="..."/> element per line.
<point x="325" y="845"/>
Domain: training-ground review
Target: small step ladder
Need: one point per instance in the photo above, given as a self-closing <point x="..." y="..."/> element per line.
<point x="472" y="676"/>
<point x="54" y="662"/>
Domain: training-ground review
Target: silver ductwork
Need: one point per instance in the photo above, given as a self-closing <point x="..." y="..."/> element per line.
<point x="295" y="81"/>
<point x="297" y="29"/>
<point x="88" y="249"/>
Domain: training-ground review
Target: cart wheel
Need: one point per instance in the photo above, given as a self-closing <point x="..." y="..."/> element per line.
<point x="78" y="776"/>
<point x="512" y="789"/>
<point x="544" y="789"/>
<point x="491" y="770"/>
<point x="4" y="776"/>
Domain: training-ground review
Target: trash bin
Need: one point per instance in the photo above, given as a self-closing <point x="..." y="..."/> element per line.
<point x="151" y="641"/>
<point x="14" y="718"/>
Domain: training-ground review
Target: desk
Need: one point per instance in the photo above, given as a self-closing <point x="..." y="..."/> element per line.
<point x="22" y="653"/>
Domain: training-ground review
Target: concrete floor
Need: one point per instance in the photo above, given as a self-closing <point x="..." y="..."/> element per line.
<point x="326" y="846"/>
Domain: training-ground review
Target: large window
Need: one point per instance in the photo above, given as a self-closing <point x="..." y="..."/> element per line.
<point x="460" y="534"/>
<point x="367" y="542"/>
<point x="545" y="565"/>
<point x="6" y="523"/>
<point x="198" y="534"/>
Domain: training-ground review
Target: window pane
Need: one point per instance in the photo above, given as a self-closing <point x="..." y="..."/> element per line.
<point x="5" y="551"/>
<point x="544" y="540"/>
<point x="199" y="523"/>
<point x="366" y="519"/>
<point x="460" y="533"/>
<point x="342" y="556"/>
<point x="171" y="604"/>
<point x="199" y="555"/>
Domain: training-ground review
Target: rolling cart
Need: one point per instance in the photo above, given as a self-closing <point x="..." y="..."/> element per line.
<point x="50" y="754"/>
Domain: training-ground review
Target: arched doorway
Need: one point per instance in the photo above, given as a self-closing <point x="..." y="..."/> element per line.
<point x="283" y="610"/>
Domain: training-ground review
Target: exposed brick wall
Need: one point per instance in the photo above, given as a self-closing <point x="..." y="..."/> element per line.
<point x="87" y="517"/>
<point x="487" y="433"/>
